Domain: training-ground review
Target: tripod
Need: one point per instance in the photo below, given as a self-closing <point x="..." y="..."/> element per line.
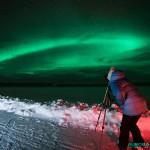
<point x="107" y="96"/>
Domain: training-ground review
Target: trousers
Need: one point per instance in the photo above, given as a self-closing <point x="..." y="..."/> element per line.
<point x="128" y="124"/>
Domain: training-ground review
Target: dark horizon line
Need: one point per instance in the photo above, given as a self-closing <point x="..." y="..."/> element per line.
<point x="11" y="84"/>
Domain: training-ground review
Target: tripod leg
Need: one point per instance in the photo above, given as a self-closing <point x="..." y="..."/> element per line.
<point x="103" y="124"/>
<point x="98" y="119"/>
<point x="102" y="106"/>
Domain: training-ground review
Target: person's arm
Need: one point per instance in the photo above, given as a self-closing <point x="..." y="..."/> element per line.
<point x="118" y="93"/>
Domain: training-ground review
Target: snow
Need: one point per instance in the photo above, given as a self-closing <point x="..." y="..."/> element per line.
<point x="76" y="115"/>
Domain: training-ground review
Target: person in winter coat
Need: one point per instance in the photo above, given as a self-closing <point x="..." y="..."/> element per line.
<point x="133" y="104"/>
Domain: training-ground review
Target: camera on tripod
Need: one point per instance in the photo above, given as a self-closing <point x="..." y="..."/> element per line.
<point x="109" y="89"/>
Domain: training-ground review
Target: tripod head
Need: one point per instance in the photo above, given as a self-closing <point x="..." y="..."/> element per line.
<point x="105" y="77"/>
<point x="109" y="88"/>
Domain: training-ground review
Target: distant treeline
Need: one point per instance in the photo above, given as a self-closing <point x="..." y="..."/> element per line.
<point x="10" y="84"/>
<point x="61" y="85"/>
<point x="142" y="84"/>
<point x="48" y="85"/>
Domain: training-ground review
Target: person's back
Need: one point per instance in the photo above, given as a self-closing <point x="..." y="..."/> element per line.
<point x="132" y="101"/>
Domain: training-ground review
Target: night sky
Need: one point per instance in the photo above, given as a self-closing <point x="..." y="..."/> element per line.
<point x="74" y="41"/>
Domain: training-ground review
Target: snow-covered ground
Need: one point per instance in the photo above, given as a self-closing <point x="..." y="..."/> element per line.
<point x="61" y="125"/>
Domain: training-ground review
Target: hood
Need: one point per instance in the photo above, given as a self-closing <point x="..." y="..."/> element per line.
<point x="117" y="75"/>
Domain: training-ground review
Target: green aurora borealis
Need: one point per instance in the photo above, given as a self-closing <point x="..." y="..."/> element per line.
<point x="73" y="41"/>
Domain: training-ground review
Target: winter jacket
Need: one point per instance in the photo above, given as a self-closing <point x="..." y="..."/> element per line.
<point x="128" y="97"/>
